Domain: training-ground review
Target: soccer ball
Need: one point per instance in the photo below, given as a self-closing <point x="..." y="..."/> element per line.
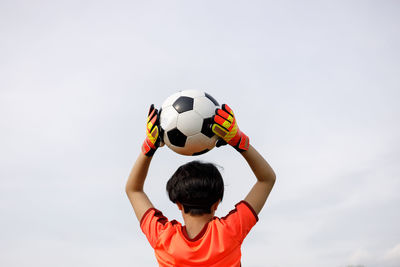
<point x="186" y="119"/>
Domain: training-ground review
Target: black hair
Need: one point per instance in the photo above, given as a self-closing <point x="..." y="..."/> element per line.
<point x="197" y="186"/>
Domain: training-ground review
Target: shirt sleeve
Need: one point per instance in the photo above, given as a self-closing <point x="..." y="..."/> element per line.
<point x="152" y="225"/>
<point x="240" y="220"/>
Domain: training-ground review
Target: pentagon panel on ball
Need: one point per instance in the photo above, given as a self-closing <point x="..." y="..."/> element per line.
<point x="186" y="119"/>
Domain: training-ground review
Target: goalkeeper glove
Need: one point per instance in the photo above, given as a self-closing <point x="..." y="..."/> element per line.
<point x="226" y="127"/>
<point x="153" y="133"/>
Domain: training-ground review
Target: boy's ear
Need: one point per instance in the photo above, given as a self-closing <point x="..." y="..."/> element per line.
<point x="180" y="206"/>
<point x="215" y="205"/>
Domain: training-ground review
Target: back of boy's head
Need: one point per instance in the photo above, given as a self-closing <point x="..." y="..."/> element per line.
<point x="197" y="186"/>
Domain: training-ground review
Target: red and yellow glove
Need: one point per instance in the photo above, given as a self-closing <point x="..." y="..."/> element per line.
<point x="153" y="133"/>
<point x="225" y="126"/>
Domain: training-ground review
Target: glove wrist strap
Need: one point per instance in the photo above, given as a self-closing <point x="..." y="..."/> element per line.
<point x="148" y="148"/>
<point x="243" y="144"/>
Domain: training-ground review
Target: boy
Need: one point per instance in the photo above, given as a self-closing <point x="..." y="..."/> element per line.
<point x="197" y="189"/>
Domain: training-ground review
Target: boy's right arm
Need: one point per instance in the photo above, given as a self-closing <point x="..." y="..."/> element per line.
<point x="134" y="186"/>
<point x="225" y="126"/>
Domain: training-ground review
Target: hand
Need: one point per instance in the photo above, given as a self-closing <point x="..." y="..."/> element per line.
<point x="225" y="126"/>
<point x="153" y="133"/>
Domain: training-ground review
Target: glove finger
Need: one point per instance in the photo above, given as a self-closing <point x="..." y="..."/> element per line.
<point x="227" y="125"/>
<point x="150" y="109"/>
<point x="225" y="115"/>
<point x="153" y="119"/>
<point x="226" y="108"/>
<point x="152" y="114"/>
<point x="160" y="139"/>
<point x="222" y="122"/>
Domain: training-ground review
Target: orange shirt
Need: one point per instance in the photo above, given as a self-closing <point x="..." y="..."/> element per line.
<point x="218" y="243"/>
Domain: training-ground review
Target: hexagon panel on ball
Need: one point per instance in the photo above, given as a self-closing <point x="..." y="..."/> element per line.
<point x="168" y="118"/>
<point x="190" y="122"/>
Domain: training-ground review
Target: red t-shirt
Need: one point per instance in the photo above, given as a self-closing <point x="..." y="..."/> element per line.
<point x="218" y="243"/>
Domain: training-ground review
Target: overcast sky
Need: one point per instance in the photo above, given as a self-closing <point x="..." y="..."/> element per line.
<point x="314" y="84"/>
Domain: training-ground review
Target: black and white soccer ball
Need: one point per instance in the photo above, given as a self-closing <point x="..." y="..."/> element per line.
<point x="186" y="119"/>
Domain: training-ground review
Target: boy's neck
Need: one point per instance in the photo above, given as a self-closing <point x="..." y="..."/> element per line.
<point x="194" y="224"/>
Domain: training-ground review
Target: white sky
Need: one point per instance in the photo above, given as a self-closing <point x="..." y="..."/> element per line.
<point x="315" y="84"/>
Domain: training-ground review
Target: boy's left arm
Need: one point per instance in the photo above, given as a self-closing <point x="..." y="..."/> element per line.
<point x="134" y="186"/>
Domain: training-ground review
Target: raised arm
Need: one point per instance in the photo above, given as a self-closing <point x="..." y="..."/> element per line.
<point x="265" y="179"/>
<point x="134" y="186"/>
<point x="226" y="127"/>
